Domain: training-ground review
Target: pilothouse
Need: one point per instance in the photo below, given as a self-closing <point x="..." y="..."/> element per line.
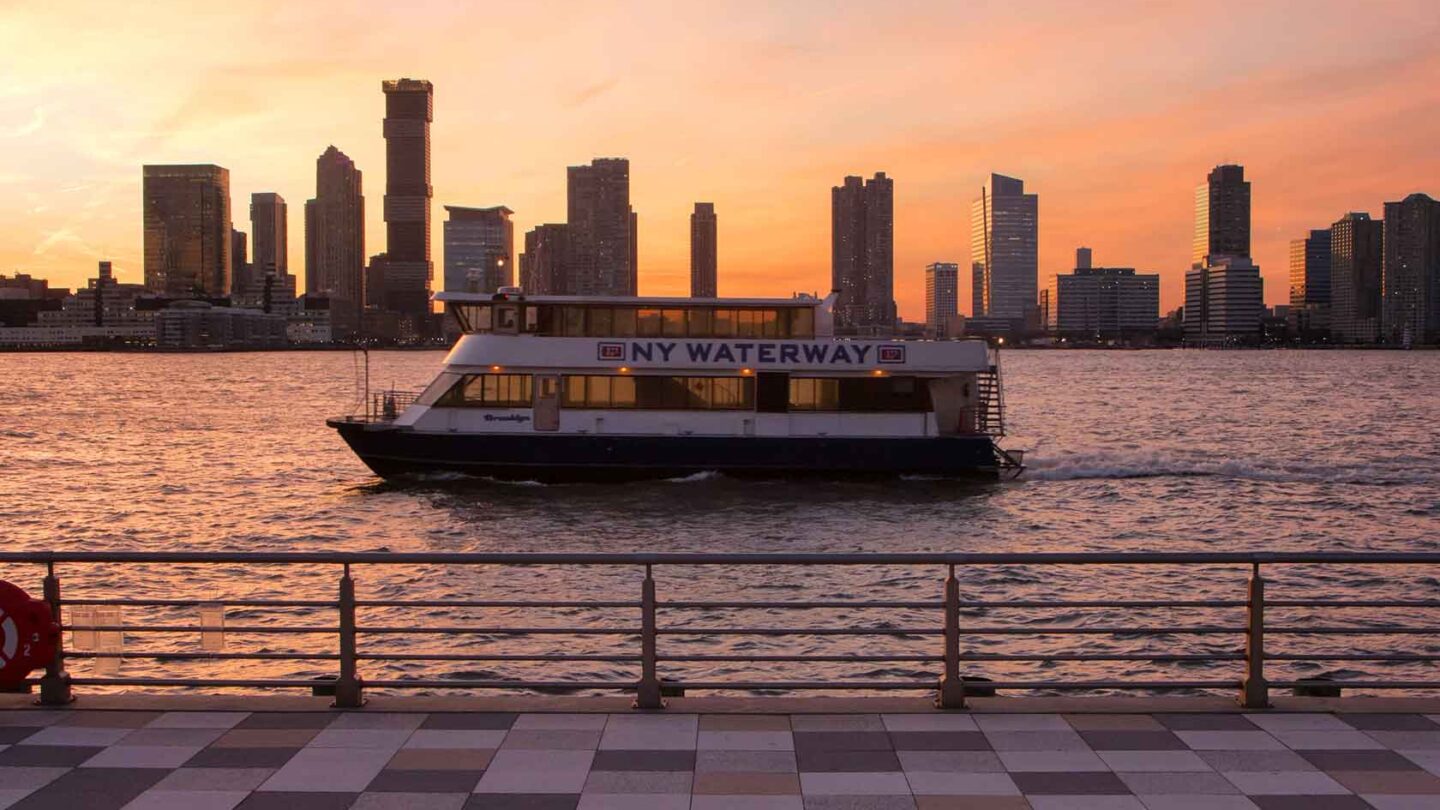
<point x="573" y="388"/>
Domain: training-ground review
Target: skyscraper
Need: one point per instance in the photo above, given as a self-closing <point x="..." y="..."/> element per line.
<point x="1222" y="215"/>
<point x="942" y="298"/>
<point x="602" y="228"/>
<point x="479" y="249"/>
<point x="543" y="265"/>
<point x="335" y="236"/>
<point x="270" y="234"/>
<point x="1310" y="282"/>
<point x="862" y="253"/>
<point x="239" y="259"/>
<point x="1411" y="280"/>
<point x="1004" y="248"/>
<point x="1356" y="259"/>
<point x="703" y="251"/>
<point x="187" y="229"/>
<point x="409" y="109"/>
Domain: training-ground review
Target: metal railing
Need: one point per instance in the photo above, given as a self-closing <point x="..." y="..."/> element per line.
<point x="950" y="609"/>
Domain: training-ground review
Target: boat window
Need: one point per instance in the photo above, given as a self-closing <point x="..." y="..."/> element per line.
<point x="488" y="391"/>
<point x="672" y="322"/>
<point x="747" y="323"/>
<point x="624" y="322"/>
<point x="532" y="318"/>
<point x="659" y="392"/>
<point x="647" y="322"/>
<point x="769" y="323"/>
<point x="505" y="319"/>
<point x="802" y="323"/>
<point x="601" y="322"/>
<point x="859" y="394"/>
<point x="700" y="322"/>
<point x="573" y="320"/>
<point x="724" y="325"/>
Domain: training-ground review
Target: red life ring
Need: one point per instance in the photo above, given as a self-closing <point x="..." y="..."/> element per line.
<point x="29" y="635"/>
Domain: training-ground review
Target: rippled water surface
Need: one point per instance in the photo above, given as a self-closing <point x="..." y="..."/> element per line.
<point x="1218" y="451"/>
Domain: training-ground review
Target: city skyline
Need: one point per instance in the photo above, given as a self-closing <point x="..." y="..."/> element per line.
<point x="1117" y="175"/>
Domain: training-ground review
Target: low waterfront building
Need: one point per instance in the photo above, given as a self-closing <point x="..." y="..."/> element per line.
<point x="104" y="312"/>
<point x="1110" y="302"/>
<point x="201" y="325"/>
<point x="1224" y="302"/>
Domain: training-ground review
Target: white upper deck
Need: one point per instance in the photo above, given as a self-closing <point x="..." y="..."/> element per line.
<point x="716" y="335"/>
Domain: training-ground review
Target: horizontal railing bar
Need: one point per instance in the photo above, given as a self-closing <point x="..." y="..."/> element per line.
<point x="702" y="558"/>
<point x="1158" y="657"/>
<point x="934" y="658"/>
<point x="827" y="659"/>
<point x="1359" y="684"/>
<point x="1118" y="685"/>
<point x="229" y="603"/>
<point x="446" y="603"/>
<point x="497" y="657"/>
<point x="1351" y="657"/>
<point x="964" y="631"/>
<point x="798" y="605"/>
<point x="195" y="628"/>
<point x="1142" y="603"/>
<point x="799" y="631"/>
<point x="1352" y="603"/>
<point x="490" y="684"/>
<point x="504" y="631"/>
<point x="221" y="656"/>
<point x="1351" y="631"/>
<point x="807" y="685"/>
<point x="245" y="683"/>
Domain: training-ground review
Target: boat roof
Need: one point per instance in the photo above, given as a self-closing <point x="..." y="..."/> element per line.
<point x="623" y="300"/>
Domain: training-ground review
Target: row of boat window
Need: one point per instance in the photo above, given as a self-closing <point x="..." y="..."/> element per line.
<point x="622" y="321"/>
<point x="768" y="392"/>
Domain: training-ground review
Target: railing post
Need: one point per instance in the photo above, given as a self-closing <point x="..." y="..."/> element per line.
<point x="349" y="692"/>
<point x="1254" y="691"/>
<point x="647" y="692"/>
<point x="952" y="689"/>
<point x="55" y="685"/>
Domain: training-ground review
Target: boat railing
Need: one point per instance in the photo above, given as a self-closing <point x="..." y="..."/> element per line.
<point x="383" y="406"/>
<point x="1224" y="643"/>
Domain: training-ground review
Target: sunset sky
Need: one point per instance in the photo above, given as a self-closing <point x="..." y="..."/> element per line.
<point x="1111" y="111"/>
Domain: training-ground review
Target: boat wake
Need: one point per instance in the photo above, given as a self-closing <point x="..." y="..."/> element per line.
<point x="1105" y="464"/>
<point x="695" y="478"/>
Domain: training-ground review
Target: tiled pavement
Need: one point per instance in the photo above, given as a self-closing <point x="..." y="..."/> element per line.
<point x="77" y="759"/>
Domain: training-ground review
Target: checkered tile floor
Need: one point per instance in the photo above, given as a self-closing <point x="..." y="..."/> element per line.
<point x="77" y="759"/>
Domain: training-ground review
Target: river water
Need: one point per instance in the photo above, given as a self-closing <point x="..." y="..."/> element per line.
<point x="1128" y="451"/>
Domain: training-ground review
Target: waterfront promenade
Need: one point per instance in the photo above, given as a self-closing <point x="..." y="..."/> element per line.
<point x="268" y="753"/>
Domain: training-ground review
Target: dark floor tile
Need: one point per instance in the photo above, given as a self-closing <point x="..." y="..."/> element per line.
<point x="842" y="741"/>
<point x="93" y="789"/>
<point x="522" y="801"/>
<point x="939" y="741"/>
<point x="280" y="800"/>
<point x="1389" y="722"/>
<point x="214" y="757"/>
<point x="9" y="735"/>
<point x="106" y="719"/>
<point x="470" y="721"/>
<point x="643" y="761"/>
<point x="288" y="720"/>
<point x="1081" y="783"/>
<point x="1133" y="741"/>
<point x="46" y="756"/>
<point x="1205" y="722"/>
<point x="847" y="761"/>
<point x="1367" y="760"/>
<point x="1311" y="803"/>
<point x="398" y="781"/>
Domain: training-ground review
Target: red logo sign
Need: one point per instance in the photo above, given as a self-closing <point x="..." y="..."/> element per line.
<point x="891" y="354"/>
<point x="28" y="635"/>
<point x="611" y="352"/>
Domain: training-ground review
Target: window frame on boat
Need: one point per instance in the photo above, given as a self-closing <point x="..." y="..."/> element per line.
<point x="657" y="392"/>
<point x="489" y="390"/>
<point x="648" y="320"/>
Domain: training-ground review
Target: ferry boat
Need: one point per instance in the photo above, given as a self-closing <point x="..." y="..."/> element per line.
<point x="573" y="388"/>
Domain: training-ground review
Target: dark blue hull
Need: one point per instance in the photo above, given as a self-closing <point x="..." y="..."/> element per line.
<point x="556" y="457"/>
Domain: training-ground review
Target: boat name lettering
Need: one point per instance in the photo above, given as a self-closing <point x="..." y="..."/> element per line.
<point x="748" y="352"/>
<point x="509" y="417"/>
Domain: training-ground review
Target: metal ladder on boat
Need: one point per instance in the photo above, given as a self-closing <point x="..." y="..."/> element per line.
<point x="992" y="421"/>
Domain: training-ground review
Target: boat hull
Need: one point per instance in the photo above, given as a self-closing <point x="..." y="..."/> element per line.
<point x="557" y="457"/>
